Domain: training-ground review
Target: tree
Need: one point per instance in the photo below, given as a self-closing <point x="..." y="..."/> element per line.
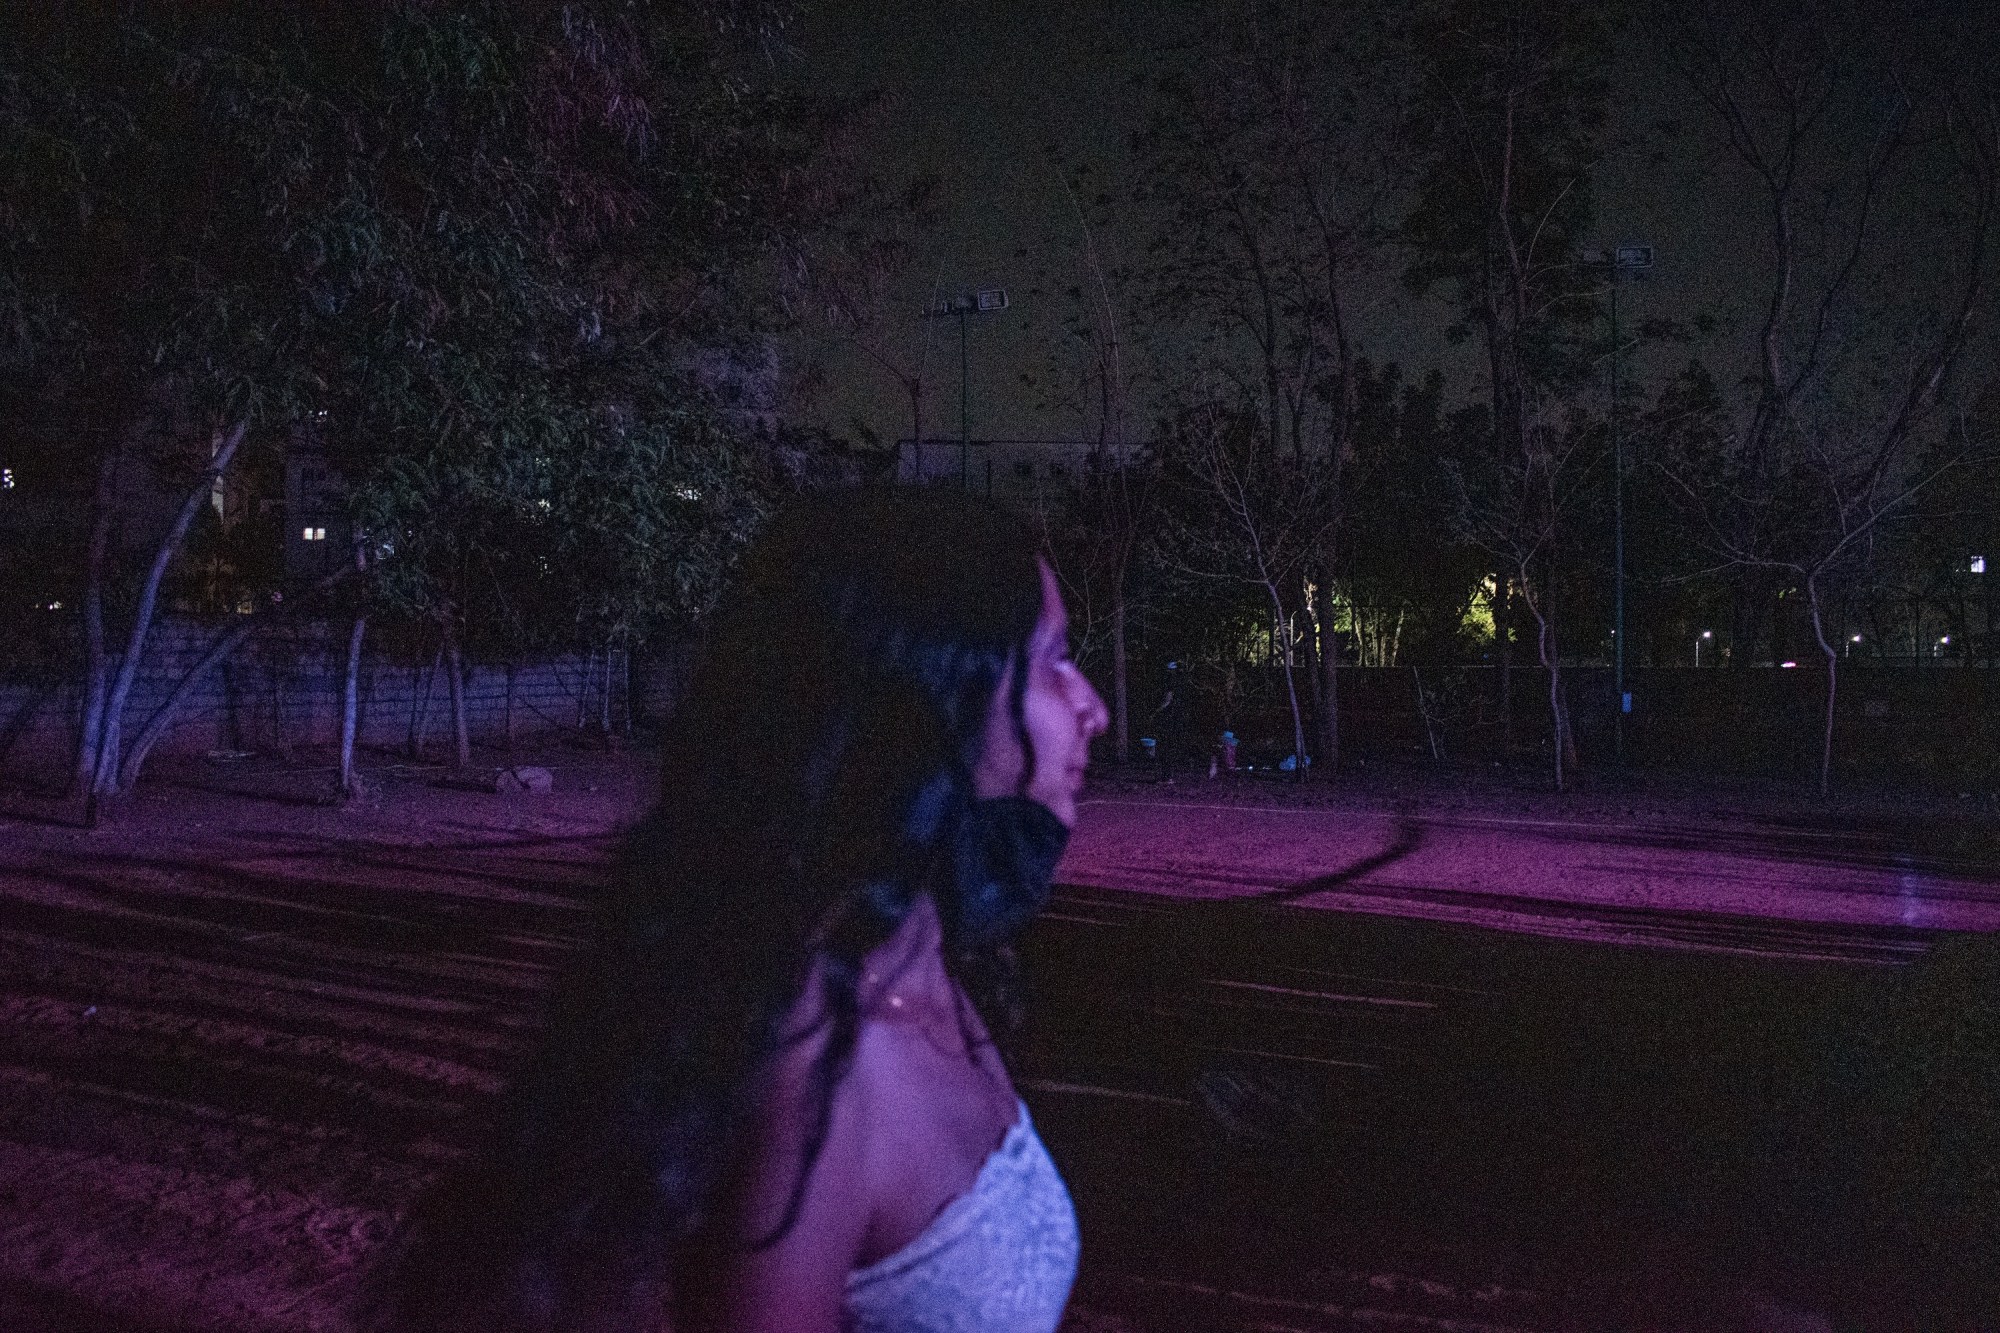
<point x="1095" y="523"/>
<point x="1506" y="126"/>
<point x="1272" y="166"/>
<point x="133" y="303"/>
<point x="1877" y="169"/>
<point x="1246" y="514"/>
<point x="1401" y="559"/>
<point x="482" y="252"/>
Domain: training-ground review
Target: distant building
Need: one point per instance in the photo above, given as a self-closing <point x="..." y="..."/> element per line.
<point x="317" y="535"/>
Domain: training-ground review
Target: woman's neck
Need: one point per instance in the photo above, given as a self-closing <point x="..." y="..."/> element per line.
<point x="906" y="971"/>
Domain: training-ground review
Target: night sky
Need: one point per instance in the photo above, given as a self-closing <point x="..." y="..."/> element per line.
<point x="979" y="91"/>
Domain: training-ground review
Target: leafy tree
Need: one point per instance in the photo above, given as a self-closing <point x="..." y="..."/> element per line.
<point x="487" y="254"/>
<point x="1399" y="555"/>
<point x="1271" y="171"/>
<point x="138" y="310"/>
<point x="1507" y="127"/>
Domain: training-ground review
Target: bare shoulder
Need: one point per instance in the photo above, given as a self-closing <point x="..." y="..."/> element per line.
<point x="939" y="1106"/>
<point x="800" y="1211"/>
<point x="809" y="1103"/>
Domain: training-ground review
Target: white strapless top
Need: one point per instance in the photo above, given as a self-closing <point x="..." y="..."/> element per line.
<point x="1000" y="1258"/>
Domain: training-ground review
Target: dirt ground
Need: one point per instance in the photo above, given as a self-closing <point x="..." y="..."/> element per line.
<point x="239" y="1029"/>
<point x="242" y="1027"/>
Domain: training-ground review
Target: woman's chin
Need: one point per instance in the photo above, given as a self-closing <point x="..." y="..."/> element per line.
<point x="1060" y="802"/>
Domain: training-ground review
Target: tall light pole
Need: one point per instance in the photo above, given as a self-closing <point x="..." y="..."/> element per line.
<point x="1705" y="634"/>
<point x="962" y="307"/>
<point x="1635" y="258"/>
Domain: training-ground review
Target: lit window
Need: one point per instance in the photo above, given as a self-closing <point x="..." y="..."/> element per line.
<point x="6" y="479"/>
<point x="687" y="493"/>
<point x="1978" y="561"/>
<point x="312" y="534"/>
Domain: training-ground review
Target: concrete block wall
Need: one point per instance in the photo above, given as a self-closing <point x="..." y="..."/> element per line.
<point x="283" y="687"/>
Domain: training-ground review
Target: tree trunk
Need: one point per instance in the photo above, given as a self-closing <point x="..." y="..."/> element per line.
<point x="1309" y="658"/>
<point x="1545" y="647"/>
<point x="91" y="722"/>
<point x="112" y="741"/>
<point x="1832" y="685"/>
<point x="604" y="701"/>
<point x="162" y="720"/>
<point x="1291" y="683"/>
<point x="1329" y="670"/>
<point x="628" y="692"/>
<point x="420" y="701"/>
<point x="1121" y="686"/>
<point x="218" y="652"/>
<point x="455" y="680"/>
<point x="350" y="713"/>
<point x="1503" y="629"/>
<point x="1427" y="715"/>
<point x="511" y="670"/>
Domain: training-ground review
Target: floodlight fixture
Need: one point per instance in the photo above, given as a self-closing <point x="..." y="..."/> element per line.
<point x="961" y="306"/>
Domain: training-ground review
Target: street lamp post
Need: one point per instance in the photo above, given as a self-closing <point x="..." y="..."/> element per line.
<point x="1634" y="258"/>
<point x="963" y="306"/>
<point x="1705" y="634"/>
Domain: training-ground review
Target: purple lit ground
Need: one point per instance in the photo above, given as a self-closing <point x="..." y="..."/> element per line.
<point x="1751" y="882"/>
<point x="1317" y="1061"/>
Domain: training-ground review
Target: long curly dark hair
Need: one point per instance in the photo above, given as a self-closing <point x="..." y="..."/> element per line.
<point x="815" y="776"/>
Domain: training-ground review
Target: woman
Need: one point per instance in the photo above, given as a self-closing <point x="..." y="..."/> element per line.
<point x="769" y="1098"/>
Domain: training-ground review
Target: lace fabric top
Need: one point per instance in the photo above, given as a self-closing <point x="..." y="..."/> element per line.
<point x="1000" y="1258"/>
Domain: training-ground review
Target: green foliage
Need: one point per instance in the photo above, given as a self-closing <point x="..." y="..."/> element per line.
<point x="1401" y="558"/>
<point x="483" y="256"/>
<point x="1506" y="127"/>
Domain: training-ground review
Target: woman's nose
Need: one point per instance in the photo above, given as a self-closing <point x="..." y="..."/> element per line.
<point x="1095" y="716"/>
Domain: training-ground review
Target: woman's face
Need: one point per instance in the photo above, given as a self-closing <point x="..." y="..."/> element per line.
<point x="1062" y="712"/>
